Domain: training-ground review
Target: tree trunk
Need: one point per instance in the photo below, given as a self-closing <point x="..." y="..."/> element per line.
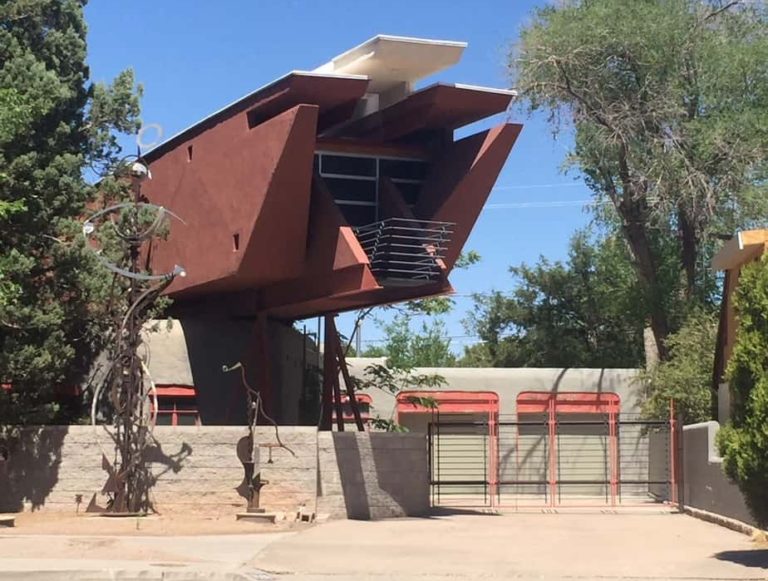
<point x="634" y="227"/>
<point x="688" y="244"/>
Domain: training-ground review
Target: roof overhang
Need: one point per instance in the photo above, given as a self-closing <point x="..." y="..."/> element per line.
<point x="390" y="61"/>
<point x="437" y="107"/>
<point x="328" y="91"/>
<point x="740" y="249"/>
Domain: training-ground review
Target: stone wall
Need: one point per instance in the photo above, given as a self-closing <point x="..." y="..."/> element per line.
<point x="362" y="475"/>
<point x="367" y="475"/>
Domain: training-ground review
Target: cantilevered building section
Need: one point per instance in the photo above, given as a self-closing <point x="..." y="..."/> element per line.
<point x="322" y="192"/>
<point x="331" y="189"/>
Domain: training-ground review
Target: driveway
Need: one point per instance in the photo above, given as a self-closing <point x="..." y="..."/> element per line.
<point x="516" y="546"/>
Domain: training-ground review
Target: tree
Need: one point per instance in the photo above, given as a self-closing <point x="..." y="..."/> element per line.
<point x="668" y="102"/>
<point x="405" y="347"/>
<point x="743" y="442"/>
<point x="587" y="312"/>
<point x="393" y="379"/>
<point x="426" y="345"/>
<point x="54" y="126"/>
<point x="686" y="377"/>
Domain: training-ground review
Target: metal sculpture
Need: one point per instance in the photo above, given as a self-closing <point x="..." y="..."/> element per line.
<point x="127" y="387"/>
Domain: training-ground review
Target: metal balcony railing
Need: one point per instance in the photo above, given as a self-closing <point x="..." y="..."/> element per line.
<point x="404" y="251"/>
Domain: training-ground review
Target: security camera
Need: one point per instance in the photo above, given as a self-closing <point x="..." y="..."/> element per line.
<point x="140" y="172"/>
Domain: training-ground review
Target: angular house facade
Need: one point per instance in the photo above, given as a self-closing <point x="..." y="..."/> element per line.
<point x="744" y="248"/>
<point x="322" y="192"/>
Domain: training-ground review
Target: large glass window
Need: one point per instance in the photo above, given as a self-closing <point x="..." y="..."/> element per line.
<point x="353" y="181"/>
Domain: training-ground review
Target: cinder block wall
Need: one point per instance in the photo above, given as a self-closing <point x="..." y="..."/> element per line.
<point x="362" y="475"/>
<point x="196" y="468"/>
<point x="367" y="475"/>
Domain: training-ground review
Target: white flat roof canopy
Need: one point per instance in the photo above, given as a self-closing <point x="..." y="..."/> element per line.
<point x="742" y="248"/>
<point x="389" y="61"/>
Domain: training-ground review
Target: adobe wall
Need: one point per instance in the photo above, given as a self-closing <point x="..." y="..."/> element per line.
<point x="195" y="348"/>
<point x="509" y="382"/>
<point x="705" y="485"/>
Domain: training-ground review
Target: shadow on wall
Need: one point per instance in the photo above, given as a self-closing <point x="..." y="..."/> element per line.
<point x="212" y="343"/>
<point x="353" y="484"/>
<point x="382" y="475"/>
<point x="31" y="468"/>
<point x="402" y="472"/>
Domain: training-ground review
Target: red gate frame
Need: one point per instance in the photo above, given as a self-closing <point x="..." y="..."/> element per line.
<point x="542" y="402"/>
<point x="461" y="402"/>
<point x="574" y="402"/>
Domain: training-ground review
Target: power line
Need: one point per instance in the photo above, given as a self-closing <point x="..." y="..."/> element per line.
<point x="546" y="204"/>
<point x="541" y="186"/>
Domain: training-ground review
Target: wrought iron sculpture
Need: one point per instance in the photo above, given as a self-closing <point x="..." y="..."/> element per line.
<point x="127" y="391"/>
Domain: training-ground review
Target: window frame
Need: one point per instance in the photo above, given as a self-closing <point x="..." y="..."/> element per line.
<point x="340" y="202"/>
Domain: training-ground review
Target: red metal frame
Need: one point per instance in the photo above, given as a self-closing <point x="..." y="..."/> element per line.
<point x="540" y="402"/>
<point x="552" y="405"/>
<point x="449" y="402"/>
<point x="461" y="402"/>
<point x="177" y="391"/>
<point x="349" y="416"/>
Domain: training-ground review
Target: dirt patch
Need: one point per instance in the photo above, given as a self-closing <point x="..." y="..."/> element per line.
<point x="50" y="523"/>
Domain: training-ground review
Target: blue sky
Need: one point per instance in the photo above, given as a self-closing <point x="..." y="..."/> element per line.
<point x="195" y="56"/>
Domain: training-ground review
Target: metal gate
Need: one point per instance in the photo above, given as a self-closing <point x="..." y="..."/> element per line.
<point x="551" y="460"/>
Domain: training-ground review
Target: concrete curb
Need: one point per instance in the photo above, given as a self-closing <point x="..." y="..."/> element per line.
<point x="723" y="521"/>
<point x="185" y="574"/>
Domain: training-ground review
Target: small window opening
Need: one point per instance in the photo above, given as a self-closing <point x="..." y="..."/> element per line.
<point x="189" y="153"/>
<point x="235" y="242"/>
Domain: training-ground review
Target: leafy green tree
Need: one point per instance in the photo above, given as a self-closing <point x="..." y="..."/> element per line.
<point x="743" y="442"/>
<point x="686" y="376"/>
<point x="587" y="312"/>
<point x="408" y="344"/>
<point x="55" y="126"/>
<point x="406" y="347"/>
<point x="668" y="102"/>
<point x="392" y="378"/>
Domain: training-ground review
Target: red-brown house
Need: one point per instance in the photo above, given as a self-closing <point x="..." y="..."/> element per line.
<point x="326" y="191"/>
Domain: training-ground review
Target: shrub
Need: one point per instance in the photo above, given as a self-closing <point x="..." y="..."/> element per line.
<point x="743" y="442"/>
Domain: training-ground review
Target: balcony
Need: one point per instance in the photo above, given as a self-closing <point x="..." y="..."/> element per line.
<point x="405" y="252"/>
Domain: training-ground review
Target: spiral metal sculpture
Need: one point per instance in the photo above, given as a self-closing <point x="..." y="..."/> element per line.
<point x="127" y="390"/>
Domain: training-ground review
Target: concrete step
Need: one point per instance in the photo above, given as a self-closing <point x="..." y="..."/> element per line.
<point x="258" y="517"/>
<point x="7" y="520"/>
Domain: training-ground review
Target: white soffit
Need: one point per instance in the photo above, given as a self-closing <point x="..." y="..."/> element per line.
<point x="390" y="61"/>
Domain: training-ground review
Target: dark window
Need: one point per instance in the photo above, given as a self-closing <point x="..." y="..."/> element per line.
<point x="177" y="411"/>
<point x="410" y="191"/>
<point x="352" y="190"/>
<point x="349" y="166"/>
<point x="358" y="215"/>
<point x="407" y="170"/>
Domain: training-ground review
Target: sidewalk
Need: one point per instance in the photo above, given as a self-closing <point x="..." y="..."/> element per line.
<point x="91" y="558"/>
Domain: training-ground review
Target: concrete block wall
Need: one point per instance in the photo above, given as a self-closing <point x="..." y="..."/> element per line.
<point x="196" y="468"/>
<point x="372" y="475"/>
<point x="360" y="475"/>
